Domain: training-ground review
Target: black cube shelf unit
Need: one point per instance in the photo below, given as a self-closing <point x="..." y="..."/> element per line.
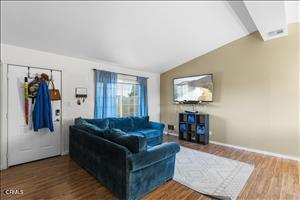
<point x="194" y="127"/>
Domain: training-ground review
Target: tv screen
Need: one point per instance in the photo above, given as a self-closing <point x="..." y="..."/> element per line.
<point x="194" y="88"/>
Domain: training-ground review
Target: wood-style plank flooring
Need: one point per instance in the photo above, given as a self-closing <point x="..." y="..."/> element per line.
<point x="61" y="178"/>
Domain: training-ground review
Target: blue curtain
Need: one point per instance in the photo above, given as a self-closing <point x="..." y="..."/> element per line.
<point x="106" y="94"/>
<point x="143" y="96"/>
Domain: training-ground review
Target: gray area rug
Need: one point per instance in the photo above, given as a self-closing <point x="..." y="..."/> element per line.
<point x="211" y="175"/>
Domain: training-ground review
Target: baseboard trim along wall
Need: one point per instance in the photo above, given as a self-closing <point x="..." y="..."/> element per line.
<point x="257" y="151"/>
<point x="65" y="153"/>
<point x="248" y="149"/>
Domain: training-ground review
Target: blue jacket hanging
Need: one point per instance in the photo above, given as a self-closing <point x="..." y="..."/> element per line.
<point x="42" y="112"/>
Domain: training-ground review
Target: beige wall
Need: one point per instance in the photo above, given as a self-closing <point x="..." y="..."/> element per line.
<point x="256" y="92"/>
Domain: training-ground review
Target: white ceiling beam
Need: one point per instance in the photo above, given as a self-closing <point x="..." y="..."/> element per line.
<point x="269" y="17"/>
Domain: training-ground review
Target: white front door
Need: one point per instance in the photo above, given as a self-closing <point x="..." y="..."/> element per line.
<point x="25" y="145"/>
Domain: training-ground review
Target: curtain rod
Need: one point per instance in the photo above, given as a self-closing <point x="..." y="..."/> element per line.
<point x="121" y="73"/>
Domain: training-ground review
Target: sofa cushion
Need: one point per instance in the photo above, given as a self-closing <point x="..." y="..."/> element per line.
<point x="113" y="133"/>
<point x="140" y="123"/>
<point x="125" y="123"/>
<point x="135" y="133"/>
<point x="84" y="125"/>
<point x="150" y="133"/>
<point x="133" y="143"/>
<point x="101" y="123"/>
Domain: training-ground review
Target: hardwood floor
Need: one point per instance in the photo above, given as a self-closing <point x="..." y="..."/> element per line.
<point x="61" y="178"/>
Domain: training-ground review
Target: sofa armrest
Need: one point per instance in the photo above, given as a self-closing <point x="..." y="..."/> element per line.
<point x="156" y="125"/>
<point x="153" y="155"/>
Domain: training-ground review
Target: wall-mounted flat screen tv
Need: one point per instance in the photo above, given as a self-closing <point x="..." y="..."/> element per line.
<point x="193" y="88"/>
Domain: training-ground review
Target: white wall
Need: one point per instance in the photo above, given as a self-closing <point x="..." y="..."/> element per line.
<point x="75" y="73"/>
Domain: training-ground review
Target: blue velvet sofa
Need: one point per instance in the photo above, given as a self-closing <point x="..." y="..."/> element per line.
<point x="125" y="154"/>
<point x="153" y="131"/>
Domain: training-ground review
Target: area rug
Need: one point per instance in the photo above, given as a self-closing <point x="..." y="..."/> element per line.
<point x="211" y="175"/>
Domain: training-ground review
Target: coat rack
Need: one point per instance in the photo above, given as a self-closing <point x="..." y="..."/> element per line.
<point x="28" y="73"/>
<point x="30" y="77"/>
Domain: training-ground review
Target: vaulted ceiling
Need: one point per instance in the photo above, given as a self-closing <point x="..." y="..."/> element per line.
<point x="148" y="36"/>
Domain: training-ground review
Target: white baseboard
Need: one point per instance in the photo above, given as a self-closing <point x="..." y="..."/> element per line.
<point x="250" y="149"/>
<point x="2" y="166"/>
<point x="64" y="153"/>
<point x="257" y="151"/>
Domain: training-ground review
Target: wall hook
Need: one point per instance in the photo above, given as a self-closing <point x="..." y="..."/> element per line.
<point x="51" y="77"/>
<point x="28" y="72"/>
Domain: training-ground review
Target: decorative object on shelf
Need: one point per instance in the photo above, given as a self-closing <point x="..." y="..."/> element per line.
<point x="200" y="130"/>
<point x="182" y="127"/>
<point x="194" y="127"/>
<point x="191" y="119"/>
<point x="80" y="94"/>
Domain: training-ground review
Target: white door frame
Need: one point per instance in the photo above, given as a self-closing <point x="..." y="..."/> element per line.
<point x="3" y="116"/>
<point x="3" y="112"/>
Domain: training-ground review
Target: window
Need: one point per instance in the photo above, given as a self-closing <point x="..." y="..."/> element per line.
<point x="120" y="95"/>
<point x="127" y="96"/>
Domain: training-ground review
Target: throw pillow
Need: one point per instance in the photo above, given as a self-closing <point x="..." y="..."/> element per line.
<point x="113" y="134"/>
<point x="133" y="143"/>
<point x="124" y="123"/>
<point x="101" y="123"/>
<point x="83" y="124"/>
<point x="140" y="123"/>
